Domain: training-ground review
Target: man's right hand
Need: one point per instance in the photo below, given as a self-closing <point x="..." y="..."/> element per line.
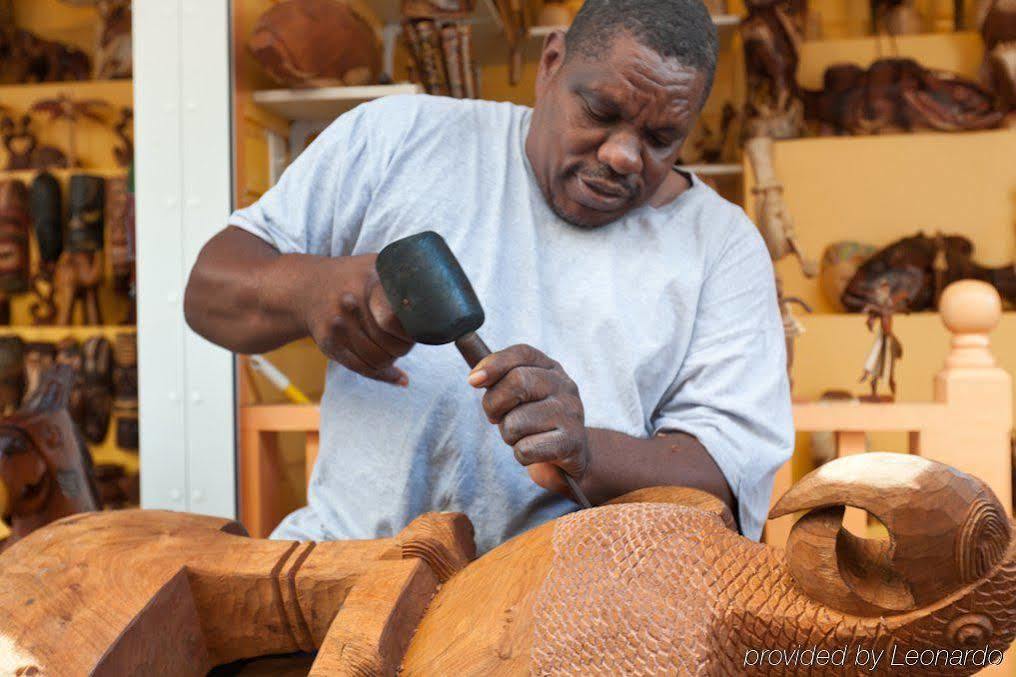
<point x="348" y="316"/>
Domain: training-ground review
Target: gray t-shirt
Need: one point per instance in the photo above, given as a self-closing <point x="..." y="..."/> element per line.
<point x="665" y="319"/>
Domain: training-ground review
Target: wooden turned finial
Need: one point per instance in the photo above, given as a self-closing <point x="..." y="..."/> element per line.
<point x="970" y="309"/>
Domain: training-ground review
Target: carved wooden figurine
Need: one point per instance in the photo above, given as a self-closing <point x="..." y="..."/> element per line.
<point x="657" y="582"/>
<point x="45" y="467"/>
<point x="25" y="57"/>
<point x="97" y="388"/>
<point x="23" y="149"/>
<point x="124" y="130"/>
<point x="316" y="43"/>
<point x="125" y="390"/>
<point x="79" y="270"/>
<point x="118" y="247"/>
<point x="772" y="42"/>
<point x="68" y="353"/>
<point x="15" y="221"/>
<point x="886" y="349"/>
<point x="12" y="374"/>
<point x="39" y="357"/>
<point x="47" y="215"/>
<point x="72" y="112"/>
<point x="998" y="27"/>
<point x="113" y="39"/>
<point x="917" y="270"/>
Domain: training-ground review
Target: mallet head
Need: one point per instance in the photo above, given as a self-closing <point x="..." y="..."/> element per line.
<point x="428" y="290"/>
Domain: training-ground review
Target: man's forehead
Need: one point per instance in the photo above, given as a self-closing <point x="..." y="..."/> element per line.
<point x="631" y="74"/>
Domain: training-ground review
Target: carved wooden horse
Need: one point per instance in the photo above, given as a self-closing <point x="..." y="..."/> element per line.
<point x="658" y="582"/>
<point x="45" y="467"/>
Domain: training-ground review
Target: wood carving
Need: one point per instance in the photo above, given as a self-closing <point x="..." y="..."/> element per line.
<point x="15" y="222"/>
<point x="772" y="39"/>
<point x="25" y="57"/>
<point x="895" y="17"/>
<point x="916" y="269"/>
<point x="895" y="95"/>
<point x="23" y="149"/>
<point x="47" y="216"/>
<point x="68" y="353"/>
<point x="317" y="43"/>
<point x="997" y="20"/>
<point x="840" y="262"/>
<point x="118" y="247"/>
<point x="39" y="357"/>
<point x="71" y="112"/>
<point x="45" y="467"/>
<point x="657" y="582"/>
<point x="886" y="349"/>
<point x="97" y="388"/>
<point x="12" y="374"/>
<point x="79" y="269"/>
<point x="125" y="390"/>
<point x="118" y="489"/>
<point x="124" y="130"/>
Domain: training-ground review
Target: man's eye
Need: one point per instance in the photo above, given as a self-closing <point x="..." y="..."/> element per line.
<point x="659" y="141"/>
<point x="598" y="115"/>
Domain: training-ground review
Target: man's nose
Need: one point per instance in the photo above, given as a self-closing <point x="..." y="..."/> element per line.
<point x="622" y="152"/>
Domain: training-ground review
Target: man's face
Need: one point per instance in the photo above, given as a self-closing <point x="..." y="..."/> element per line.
<point x="606" y="131"/>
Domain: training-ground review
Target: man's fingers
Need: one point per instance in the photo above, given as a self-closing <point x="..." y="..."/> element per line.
<point x="389" y="374"/>
<point x="543" y="447"/>
<point x="384" y="318"/>
<point x="348" y="331"/>
<point x="495" y="366"/>
<point x="528" y="419"/>
<point x="520" y="385"/>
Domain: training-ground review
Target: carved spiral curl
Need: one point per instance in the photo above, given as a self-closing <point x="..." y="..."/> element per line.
<point x="970" y="630"/>
<point x="983" y="539"/>
<point x="946" y="530"/>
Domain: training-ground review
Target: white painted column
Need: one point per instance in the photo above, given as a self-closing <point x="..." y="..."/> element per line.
<point x="182" y="93"/>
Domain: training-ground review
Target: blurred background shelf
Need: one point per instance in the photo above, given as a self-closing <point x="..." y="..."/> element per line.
<point x="325" y="103"/>
<point x="715" y="169"/>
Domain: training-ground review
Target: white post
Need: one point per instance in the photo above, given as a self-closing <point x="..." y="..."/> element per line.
<point x="183" y="187"/>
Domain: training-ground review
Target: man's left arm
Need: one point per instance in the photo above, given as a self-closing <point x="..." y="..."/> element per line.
<point x="724" y="425"/>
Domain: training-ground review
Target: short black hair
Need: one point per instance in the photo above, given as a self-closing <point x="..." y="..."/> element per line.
<point x="678" y="29"/>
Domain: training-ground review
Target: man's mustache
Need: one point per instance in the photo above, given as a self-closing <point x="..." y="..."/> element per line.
<point x="605" y="175"/>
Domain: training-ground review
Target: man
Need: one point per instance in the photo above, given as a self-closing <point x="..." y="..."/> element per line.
<point x="635" y="312"/>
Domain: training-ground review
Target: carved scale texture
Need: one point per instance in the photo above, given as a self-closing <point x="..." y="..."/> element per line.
<point x="667" y="589"/>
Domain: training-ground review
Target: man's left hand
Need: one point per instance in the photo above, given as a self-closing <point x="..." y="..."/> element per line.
<point x="538" y="410"/>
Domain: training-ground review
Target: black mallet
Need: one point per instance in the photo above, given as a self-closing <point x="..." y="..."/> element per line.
<point x="436" y="304"/>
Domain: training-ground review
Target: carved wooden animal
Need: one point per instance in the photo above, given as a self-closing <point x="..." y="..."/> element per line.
<point x="658" y="582"/>
<point x="316" y="43"/>
<point x="918" y="268"/>
<point x="25" y="57"/>
<point x="898" y="95"/>
<point x="45" y="467"/>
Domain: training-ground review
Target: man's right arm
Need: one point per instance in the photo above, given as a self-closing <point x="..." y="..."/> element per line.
<point x="246" y="296"/>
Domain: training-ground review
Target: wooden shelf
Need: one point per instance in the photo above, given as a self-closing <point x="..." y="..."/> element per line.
<point x="325" y="103"/>
<point x="723" y="22"/>
<point x="63" y="175"/>
<point x="32" y="332"/>
<point x="79" y="89"/>
<point x="718" y="169"/>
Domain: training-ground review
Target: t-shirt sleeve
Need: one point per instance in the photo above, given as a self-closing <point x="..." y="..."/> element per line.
<point x="319" y="203"/>
<point x="732" y="392"/>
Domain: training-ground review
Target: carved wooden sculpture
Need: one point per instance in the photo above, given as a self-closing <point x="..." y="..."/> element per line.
<point x="79" y="269"/>
<point x="25" y="57"/>
<point x="918" y="268"/>
<point x="895" y="95"/>
<point x="895" y="17"/>
<point x="39" y="357"/>
<point x="71" y="111"/>
<point x="840" y="262"/>
<point x="997" y="19"/>
<point x="118" y="248"/>
<point x="12" y="374"/>
<point x="113" y="38"/>
<point x="886" y="349"/>
<point x="15" y="221"/>
<point x="97" y="388"/>
<point x="47" y="215"/>
<point x="657" y="582"/>
<point x="124" y="130"/>
<point x="125" y="390"/>
<point x="23" y="149"/>
<point x="316" y="43"/>
<point x="45" y="467"/>
<point x="68" y="353"/>
<point x="771" y="47"/>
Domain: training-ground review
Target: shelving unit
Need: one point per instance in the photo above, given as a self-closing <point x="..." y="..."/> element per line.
<point x="325" y="103"/>
<point x="94" y="142"/>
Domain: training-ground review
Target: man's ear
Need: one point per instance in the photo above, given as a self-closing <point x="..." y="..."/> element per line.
<point x="551" y="60"/>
